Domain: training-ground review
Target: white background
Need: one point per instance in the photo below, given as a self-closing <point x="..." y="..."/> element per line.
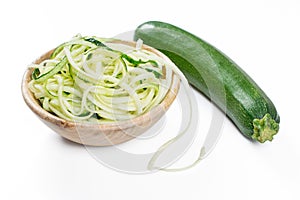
<point x="262" y="36"/>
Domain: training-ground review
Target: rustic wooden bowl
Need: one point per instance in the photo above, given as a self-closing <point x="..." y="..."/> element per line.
<point x="100" y="134"/>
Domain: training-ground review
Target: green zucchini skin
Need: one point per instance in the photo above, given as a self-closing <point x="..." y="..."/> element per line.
<point x="217" y="77"/>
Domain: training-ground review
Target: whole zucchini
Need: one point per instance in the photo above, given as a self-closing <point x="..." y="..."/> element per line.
<point x="217" y="77"/>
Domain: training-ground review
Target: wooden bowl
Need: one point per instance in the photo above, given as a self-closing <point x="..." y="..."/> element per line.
<point x="100" y="134"/>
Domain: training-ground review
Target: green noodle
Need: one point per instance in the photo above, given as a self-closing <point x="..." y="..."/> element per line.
<point x="93" y="79"/>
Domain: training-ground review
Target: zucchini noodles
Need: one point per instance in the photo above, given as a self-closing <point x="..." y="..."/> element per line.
<point x="100" y="80"/>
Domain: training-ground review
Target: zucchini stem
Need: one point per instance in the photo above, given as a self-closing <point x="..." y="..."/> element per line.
<point x="264" y="128"/>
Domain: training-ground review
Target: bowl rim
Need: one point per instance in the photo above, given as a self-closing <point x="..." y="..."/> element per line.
<point x="163" y="106"/>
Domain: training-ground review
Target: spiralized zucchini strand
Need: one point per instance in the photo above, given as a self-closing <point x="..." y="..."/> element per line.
<point x="91" y="79"/>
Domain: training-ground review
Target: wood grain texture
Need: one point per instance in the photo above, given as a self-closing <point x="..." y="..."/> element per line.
<point x="100" y="134"/>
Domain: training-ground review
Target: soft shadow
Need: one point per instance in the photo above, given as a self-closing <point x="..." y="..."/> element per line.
<point x="67" y="142"/>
